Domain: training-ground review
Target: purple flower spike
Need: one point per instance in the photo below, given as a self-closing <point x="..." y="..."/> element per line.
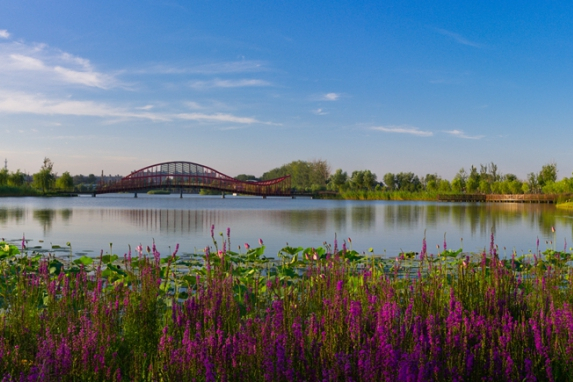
<point x="261" y="242"/>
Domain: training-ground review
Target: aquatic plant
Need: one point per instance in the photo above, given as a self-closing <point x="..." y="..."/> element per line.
<point x="310" y="314"/>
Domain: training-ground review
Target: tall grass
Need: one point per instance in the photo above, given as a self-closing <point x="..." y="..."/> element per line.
<point x="317" y="314"/>
<point x="388" y="195"/>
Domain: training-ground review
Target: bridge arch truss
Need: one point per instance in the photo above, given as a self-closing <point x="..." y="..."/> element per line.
<point x="189" y="175"/>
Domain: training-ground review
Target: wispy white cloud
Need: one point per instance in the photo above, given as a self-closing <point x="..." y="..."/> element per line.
<point x="218" y="117"/>
<point x="218" y="83"/>
<point x="23" y="103"/>
<point x="4" y="33"/>
<point x="87" y="78"/>
<point x="458" y="38"/>
<point x="403" y="130"/>
<point x="193" y="105"/>
<point x="24" y="64"/>
<point x="319" y="112"/>
<point x="461" y="134"/>
<point x="243" y="66"/>
<point x="330" y="96"/>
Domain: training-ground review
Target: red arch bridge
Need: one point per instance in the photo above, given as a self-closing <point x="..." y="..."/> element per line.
<point x="189" y="175"/>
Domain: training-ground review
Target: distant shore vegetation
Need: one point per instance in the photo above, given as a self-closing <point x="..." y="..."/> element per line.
<point x="316" y="177"/>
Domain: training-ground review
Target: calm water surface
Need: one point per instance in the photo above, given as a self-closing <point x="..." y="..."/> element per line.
<point x="91" y="224"/>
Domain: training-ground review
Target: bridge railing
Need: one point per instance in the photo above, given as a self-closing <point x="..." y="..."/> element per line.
<point x="279" y="186"/>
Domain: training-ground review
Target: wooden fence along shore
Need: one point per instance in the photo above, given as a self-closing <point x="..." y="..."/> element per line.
<point x="502" y="198"/>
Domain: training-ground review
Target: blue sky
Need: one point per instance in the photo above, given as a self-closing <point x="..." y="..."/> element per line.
<point x="244" y="87"/>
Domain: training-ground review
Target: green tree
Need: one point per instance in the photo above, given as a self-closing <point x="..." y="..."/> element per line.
<point x="338" y="180"/>
<point x="303" y="174"/>
<point x="357" y="180"/>
<point x="548" y="174"/>
<point x="319" y="172"/>
<point x="533" y="183"/>
<point x="16" y="179"/>
<point x="65" y="182"/>
<point x="516" y="187"/>
<point x="3" y="177"/>
<point x="245" y="177"/>
<point x="390" y="181"/>
<point x="444" y="185"/>
<point x="459" y="181"/>
<point x="494" y="176"/>
<point x="472" y="184"/>
<point x="369" y="179"/>
<point x="484" y="186"/>
<point x="44" y="179"/>
<point x="407" y="181"/>
<point x="430" y="182"/>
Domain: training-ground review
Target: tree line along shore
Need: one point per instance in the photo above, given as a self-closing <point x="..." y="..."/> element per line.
<point x="316" y="177"/>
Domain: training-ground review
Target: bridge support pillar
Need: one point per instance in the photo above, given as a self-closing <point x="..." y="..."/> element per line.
<point x="94" y="195"/>
<point x="180" y="193"/>
<point x="223" y="195"/>
<point x="264" y="196"/>
<point x="135" y="194"/>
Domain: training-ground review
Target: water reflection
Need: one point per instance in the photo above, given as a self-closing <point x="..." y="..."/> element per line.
<point x="384" y="225"/>
<point x="66" y="214"/>
<point x="481" y="219"/>
<point x="45" y="218"/>
<point x="363" y="217"/>
<point x="13" y="214"/>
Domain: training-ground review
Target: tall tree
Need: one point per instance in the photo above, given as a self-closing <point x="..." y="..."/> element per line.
<point x="533" y="182"/>
<point x="357" y="180"/>
<point x="407" y="181"/>
<point x="430" y="182"/>
<point x="369" y="179"/>
<point x="548" y="174"/>
<point x="390" y="181"/>
<point x="338" y="180"/>
<point x="3" y="177"/>
<point x="472" y="183"/>
<point x="44" y="179"/>
<point x="459" y="181"/>
<point x="493" y="172"/>
<point x="16" y="178"/>
<point x="65" y="182"/>
<point x="304" y="175"/>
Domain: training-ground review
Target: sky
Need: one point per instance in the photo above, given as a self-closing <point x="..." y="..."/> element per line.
<point x="247" y="86"/>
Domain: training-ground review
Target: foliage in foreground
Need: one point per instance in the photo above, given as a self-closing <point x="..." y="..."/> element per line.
<point x="324" y="314"/>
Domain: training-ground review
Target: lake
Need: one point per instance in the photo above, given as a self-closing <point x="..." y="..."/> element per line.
<point x="91" y="224"/>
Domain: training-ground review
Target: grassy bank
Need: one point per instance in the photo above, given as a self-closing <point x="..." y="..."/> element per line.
<point x="565" y="206"/>
<point x="159" y="192"/>
<point x="18" y="191"/>
<point x="388" y="195"/>
<point x="317" y="314"/>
